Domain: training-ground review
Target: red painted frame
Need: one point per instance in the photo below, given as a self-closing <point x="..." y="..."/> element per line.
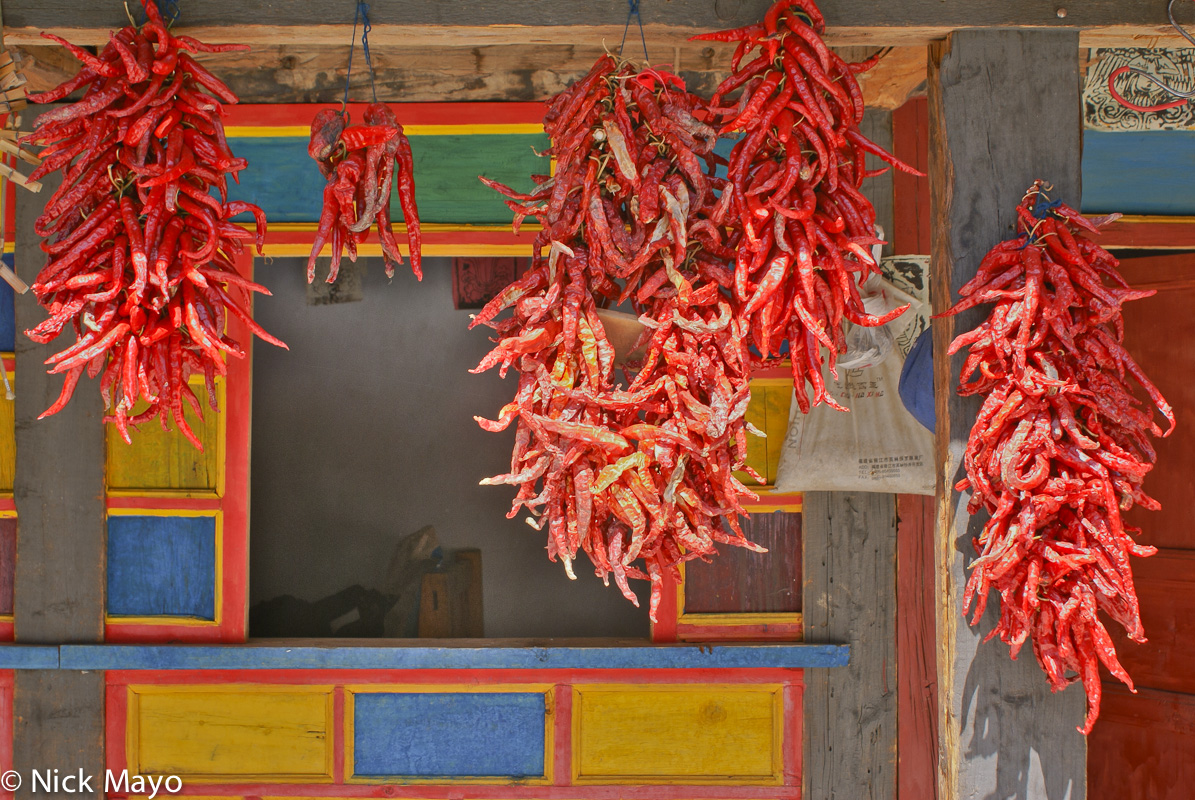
<point x="7" y="722"/>
<point x="116" y="718"/>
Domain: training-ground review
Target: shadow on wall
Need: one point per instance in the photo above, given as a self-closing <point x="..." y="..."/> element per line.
<point x="363" y="433"/>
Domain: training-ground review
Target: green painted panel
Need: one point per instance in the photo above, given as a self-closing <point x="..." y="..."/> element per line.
<point x="284" y="181"/>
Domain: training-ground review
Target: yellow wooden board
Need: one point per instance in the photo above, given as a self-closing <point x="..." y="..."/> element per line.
<point x="165" y="462"/>
<point x="231" y="733"/>
<point x="711" y="734"/>
<point x="771" y="399"/>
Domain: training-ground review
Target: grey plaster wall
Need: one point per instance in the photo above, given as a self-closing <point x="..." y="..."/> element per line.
<point x="363" y="432"/>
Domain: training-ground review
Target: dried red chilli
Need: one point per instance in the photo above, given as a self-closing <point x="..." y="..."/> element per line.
<point x="804" y="228"/>
<point x="1060" y="447"/>
<point x="641" y="471"/>
<point x="140" y="252"/>
<point x="360" y="163"/>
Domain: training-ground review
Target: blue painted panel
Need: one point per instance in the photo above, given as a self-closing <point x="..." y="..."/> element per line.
<point x="162" y="566"/>
<point x="8" y="323"/>
<point x="1139" y="173"/>
<point x="328" y="656"/>
<point x="449" y="735"/>
<point x="284" y="181"/>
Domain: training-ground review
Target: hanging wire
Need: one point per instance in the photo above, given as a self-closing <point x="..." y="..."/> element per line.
<point x="1183" y="97"/>
<point x="362" y="13"/>
<point x="633" y="11"/>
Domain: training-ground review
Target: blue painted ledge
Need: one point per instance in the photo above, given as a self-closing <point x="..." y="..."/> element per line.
<point x="332" y="656"/>
<point x="28" y="656"/>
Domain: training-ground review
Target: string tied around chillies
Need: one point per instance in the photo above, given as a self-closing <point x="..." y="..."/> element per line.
<point x="633" y="11"/>
<point x="360" y="15"/>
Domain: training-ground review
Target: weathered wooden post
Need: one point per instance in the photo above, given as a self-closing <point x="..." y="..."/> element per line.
<point x="850" y="724"/>
<point x="1004" y="111"/>
<point x="59" y="493"/>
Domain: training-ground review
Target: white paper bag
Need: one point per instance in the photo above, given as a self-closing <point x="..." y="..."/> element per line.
<point x="878" y="446"/>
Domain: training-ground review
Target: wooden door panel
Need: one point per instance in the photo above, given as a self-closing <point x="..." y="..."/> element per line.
<point x="1166" y="589"/>
<point x="1143" y="747"/>
<point x="1160" y="333"/>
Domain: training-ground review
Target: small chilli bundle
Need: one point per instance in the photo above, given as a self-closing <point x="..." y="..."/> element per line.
<point x="805" y="230"/>
<point x="639" y="472"/>
<point x="1060" y="447"/>
<point x="141" y="256"/>
<point x="360" y="163"/>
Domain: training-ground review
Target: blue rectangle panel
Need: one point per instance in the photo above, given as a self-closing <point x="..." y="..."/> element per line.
<point x="8" y="323"/>
<point x="449" y="735"/>
<point x="1139" y="173"/>
<point x="162" y="566"/>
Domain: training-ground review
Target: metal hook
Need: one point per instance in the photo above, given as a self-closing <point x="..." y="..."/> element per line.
<point x="1184" y="97"/>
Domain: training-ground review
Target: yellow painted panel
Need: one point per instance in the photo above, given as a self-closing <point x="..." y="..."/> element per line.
<point x="757" y="448"/>
<point x="690" y="734"/>
<point x="230" y="732"/>
<point x="8" y="441"/>
<point x="159" y="460"/>
<point x="777" y="400"/>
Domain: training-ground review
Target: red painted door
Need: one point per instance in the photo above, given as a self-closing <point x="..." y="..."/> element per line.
<point x="1143" y="747"/>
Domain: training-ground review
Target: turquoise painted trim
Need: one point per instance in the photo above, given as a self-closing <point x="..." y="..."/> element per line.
<point x="1139" y="173"/>
<point x="448" y="735"/>
<point x="28" y="656"/>
<point x="331" y="656"/>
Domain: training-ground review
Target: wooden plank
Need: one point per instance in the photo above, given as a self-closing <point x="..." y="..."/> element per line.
<point x="989" y="94"/>
<point x="850" y="588"/>
<point x="916" y="672"/>
<point x="1150" y="233"/>
<point x="465" y="23"/>
<point x="59" y="482"/>
<point x="1143" y="747"/>
<point x="543" y="654"/>
<point x="1166" y="588"/>
<point x="739" y="581"/>
<point x="1152" y="326"/>
<point x="679" y="734"/>
<point x="58" y="719"/>
<point x="910" y="143"/>
<point x="8" y="562"/>
<point x="849" y="571"/>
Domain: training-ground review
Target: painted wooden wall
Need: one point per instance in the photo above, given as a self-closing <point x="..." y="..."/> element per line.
<point x="437" y="734"/>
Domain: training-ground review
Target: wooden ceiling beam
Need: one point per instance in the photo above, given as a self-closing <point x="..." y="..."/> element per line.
<point x="469" y="23"/>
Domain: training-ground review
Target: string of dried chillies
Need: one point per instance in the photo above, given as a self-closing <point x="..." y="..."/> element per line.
<point x="360" y="163"/>
<point x="793" y="191"/>
<point x="141" y="257"/>
<point x="1060" y="446"/>
<point x="640" y="471"/>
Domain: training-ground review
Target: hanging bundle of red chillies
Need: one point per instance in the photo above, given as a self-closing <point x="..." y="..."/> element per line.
<point x="641" y="472"/>
<point x="793" y="191"/>
<point x="140" y="260"/>
<point x="1060" y="447"/>
<point x="360" y="163"/>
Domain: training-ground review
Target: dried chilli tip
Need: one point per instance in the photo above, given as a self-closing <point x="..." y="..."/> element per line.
<point x="361" y="163"/>
<point x="637" y="473"/>
<point x="804" y="229"/>
<point x="140" y="251"/>
<point x="1060" y="447"/>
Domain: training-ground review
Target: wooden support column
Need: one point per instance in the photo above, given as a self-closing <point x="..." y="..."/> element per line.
<point x="849" y="570"/>
<point x="1004" y="110"/>
<point x="59" y="492"/>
